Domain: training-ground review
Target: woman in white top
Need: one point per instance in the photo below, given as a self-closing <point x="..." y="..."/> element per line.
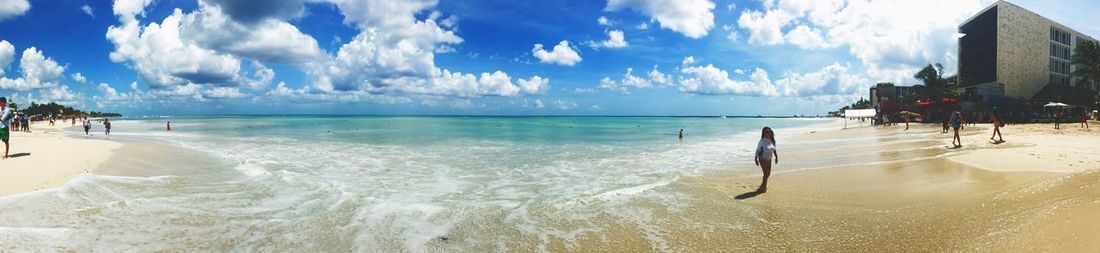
<point x="765" y="152"/>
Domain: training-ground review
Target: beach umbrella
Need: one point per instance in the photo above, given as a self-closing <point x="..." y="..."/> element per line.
<point x="1053" y="104"/>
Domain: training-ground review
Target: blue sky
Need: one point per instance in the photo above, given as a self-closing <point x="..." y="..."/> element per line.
<point x="569" y="57"/>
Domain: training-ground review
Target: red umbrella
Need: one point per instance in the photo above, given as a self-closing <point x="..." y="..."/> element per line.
<point x="924" y="102"/>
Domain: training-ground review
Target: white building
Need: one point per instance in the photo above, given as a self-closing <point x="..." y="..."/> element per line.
<point x="1010" y="46"/>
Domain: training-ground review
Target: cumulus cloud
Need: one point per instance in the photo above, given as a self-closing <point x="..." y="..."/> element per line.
<point x="79" y="77"/>
<point x="653" y="78"/>
<point x="615" y="39"/>
<point x="692" y="18"/>
<point x="221" y="50"/>
<point x="830" y="80"/>
<point x="7" y="55"/>
<point x="807" y="38"/>
<point x="38" y="70"/>
<point x="709" y="80"/>
<point x="561" y="54"/>
<point x="603" y="21"/>
<point x="890" y="37"/>
<point x="13" y="8"/>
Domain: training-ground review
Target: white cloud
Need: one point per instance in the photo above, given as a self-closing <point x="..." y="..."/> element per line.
<point x="688" y="61"/>
<point x="271" y="40"/>
<point x="13" y="8"/>
<point x="561" y="54"/>
<point x="807" y="38"/>
<point x="88" y="10"/>
<point x="764" y="28"/>
<point x="163" y="59"/>
<point x="539" y="104"/>
<point x="653" y="78"/>
<point x="7" y="55"/>
<point x="709" y="80"/>
<point x="39" y="72"/>
<point x="223" y="92"/>
<point x="833" y="79"/>
<point x="731" y="33"/>
<point x="129" y="10"/>
<point x="79" y="77"/>
<point x="535" y="85"/>
<point x="890" y="37"/>
<point x="603" y="21"/>
<point x="222" y="49"/>
<point x="565" y="105"/>
<point x="643" y="26"/>
<point x="616" y="39"/>
<point x="692" y="18"/>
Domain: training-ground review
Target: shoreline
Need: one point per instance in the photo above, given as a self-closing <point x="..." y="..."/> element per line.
<point x="50" y="156"/>
<point x="916" y="194"/>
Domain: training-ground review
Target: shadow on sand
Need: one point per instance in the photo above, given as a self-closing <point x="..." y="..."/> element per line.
<point x="19" y="155"/>
<point x="748" y="195"/>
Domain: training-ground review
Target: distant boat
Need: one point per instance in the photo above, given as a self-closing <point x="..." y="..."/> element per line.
<point x="723" y="116"/>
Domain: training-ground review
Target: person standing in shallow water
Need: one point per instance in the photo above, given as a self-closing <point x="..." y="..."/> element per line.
<point x="765" y="153"/>
<point x="681" y="133"/>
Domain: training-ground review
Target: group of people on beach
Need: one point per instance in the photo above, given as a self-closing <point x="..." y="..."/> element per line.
<point x="11" y="121"/>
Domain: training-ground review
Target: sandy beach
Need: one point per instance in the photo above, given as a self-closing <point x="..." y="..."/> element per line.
<point x="49" y="156"/>
<point x="859" y="189"/>
<point x="1035" y="192"/>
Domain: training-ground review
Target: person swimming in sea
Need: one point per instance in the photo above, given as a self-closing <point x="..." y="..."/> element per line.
<point x="765" y="154"/>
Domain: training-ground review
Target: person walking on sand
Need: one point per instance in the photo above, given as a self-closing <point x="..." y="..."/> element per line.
<point x="1084" y="119"/>
<point x="995" y="117"/>
<point x="5" y="124"/>
<point x="107" y="126"/>
<point x="765" y="152"/>
<point x="956" y="123"/>
<point x="87" y="125"/>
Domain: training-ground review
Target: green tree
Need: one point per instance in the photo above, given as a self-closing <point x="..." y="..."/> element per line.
<point x="1087" y="60"/>
<point x="934" y="86"/>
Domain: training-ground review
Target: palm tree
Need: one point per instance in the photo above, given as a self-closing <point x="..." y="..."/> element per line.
<point x="935" y="87"/>
<point x="1087" y="60"/>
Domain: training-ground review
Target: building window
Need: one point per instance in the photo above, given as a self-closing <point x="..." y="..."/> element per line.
<point x="1059" y="36"/>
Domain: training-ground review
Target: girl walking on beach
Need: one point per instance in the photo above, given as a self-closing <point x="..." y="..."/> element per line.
<point x="765" y="151"/>
<point x="995" y="117"/>
<point x="956" y="123"/>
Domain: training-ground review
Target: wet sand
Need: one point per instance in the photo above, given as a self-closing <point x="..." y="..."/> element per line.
<point x="885" y="189"/>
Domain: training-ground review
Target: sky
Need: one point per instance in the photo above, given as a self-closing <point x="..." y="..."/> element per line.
<point x="479" y="57"/>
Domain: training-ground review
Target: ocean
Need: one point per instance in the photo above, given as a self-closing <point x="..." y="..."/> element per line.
<point x="383" y="183"/>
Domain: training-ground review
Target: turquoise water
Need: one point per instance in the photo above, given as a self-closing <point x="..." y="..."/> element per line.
<point x="319" y="183"/>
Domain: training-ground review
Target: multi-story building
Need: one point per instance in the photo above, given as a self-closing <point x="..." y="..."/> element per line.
<point x="885" y="96"/>
<point x="1019" y="50"/>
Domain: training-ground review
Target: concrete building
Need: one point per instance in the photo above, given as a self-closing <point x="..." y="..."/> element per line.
<point x="885" y="96"/>
<point x="1016" y="49"/>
